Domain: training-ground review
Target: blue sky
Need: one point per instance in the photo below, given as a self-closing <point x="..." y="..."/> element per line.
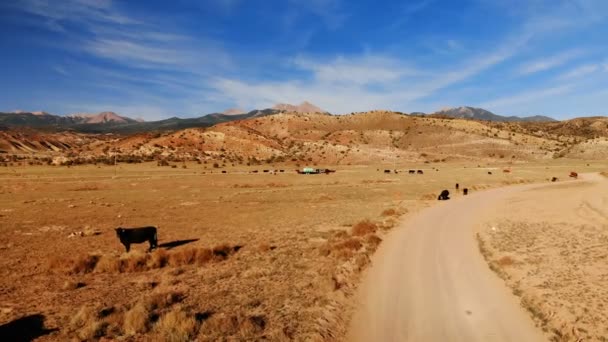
<point x="157" y="59"/>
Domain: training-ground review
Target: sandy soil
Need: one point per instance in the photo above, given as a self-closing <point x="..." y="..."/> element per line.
<point x="549" y="246"/>
<point x="292" y="279"/>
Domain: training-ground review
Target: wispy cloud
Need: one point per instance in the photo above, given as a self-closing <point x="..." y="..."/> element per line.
<point x="331" y="12"/>
<point x="582" y="70"/>
<point x="61" y="70"/>
<point x="359" y="71"/>
<point x="75" y="10"/>
<point x="409" y="9"/>
<point x="548" y="63"/>
<point x="111" y="34"/>
<point x="527" y="96"/>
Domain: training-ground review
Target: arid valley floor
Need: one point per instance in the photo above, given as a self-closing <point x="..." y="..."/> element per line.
<point x="243" y="256"/>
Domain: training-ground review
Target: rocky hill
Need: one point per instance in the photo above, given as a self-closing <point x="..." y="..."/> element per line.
<point x="482" y="114"/>
<point x="363" y="138"/>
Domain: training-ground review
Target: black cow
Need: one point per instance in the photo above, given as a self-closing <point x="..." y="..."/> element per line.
<point x="489" y="172"/>
<point x="444" y="196"/>
<point x="465" y="191"/>
<point x="420" y="172"/>
<point x="457" y="186"/>
<point x="554" y="179"/>
<point x="412" y="171"/>
<point x="128" y="236"/>
<point x="387" y="171"/>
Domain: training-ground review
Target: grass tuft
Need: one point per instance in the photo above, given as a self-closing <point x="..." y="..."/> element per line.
<point x="363" y="228"/>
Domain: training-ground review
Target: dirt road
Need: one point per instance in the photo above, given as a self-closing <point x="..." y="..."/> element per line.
<point x="429" y="282"/>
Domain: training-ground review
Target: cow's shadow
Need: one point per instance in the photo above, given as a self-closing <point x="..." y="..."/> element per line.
<point x="25" y="329"/>
<point x="176" y="243"/>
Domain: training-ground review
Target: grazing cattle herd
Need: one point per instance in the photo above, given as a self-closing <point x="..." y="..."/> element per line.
<point x="128" y="236"/>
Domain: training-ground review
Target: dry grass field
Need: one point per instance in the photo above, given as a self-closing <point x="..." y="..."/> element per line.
<point x="554" y="257"/>
<point x="242" y="256"/>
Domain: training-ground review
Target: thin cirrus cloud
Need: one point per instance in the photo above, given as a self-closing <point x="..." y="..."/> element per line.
<point x="548" y="63"/>
<point x="368" y="69"/>
<point x="132" y="58"/>
<point x="582" y="70"/>
<point x="527" y="96"/>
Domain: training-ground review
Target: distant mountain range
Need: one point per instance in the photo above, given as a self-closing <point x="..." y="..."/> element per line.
<point x="110" y="122"/>
<point x="482" y="114"/>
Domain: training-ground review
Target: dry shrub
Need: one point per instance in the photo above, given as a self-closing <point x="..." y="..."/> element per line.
<point x="183" y="257"/>
<point x="361" y="261"/>
<point x="505" y="261"/>
<point x="85" y="315"/>
<point x="203" y="256"/>
<point x="158" y="259"/>
<point x="373" y="241"/>
<point x="252" y="325"/>
<point x="221" y="325"/>
<point x="163" y="300"/>
<point x="343" y="254"/>
<point x="72" y="285"/>
<point x="363" y="228"/>
<point x="84" y="264"/>
<point x="389" y="212"/>
<point x="109" y="263"/>
<point x="135" y="262"/>
<point x="137" y="319"/>
<point x="92" y="330"/>
<point x="177" y="326"/>
<point x="349" y="244"/>
<point x="87" y="324"/>
<point x="139" y="261"/>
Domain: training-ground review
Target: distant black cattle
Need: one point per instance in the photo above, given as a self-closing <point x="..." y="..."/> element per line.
<point x="281" y="170"/>
<point x="420" y="172"/>
<point x="387" y="171"/>
<point x="223" y="171"/>
<point x="265" y="170"/>
<point x="412" y="171"/>
<point x="255" y="171"/>
<point x="395" y="171"/>
<point x="465" y="191"/>
<point x="554" y="179"/>
<point x="489" y="172"/>
<point x="457" y="186"/>
<point x="445" y="195"/>
<point x="128" y="236"/>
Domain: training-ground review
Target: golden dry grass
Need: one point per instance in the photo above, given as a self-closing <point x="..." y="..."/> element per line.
<point x="176" y="326"/>
<point x="139" y="262"/>
<point x="300" y="234"/>
<point x="137" y="319"/>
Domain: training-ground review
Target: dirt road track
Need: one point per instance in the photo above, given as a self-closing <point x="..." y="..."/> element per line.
<point x="429" y="282"/>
